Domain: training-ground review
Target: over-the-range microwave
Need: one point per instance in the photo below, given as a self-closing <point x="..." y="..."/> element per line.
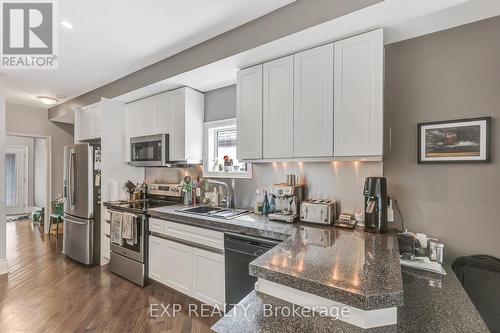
<point x="149" y="151"/>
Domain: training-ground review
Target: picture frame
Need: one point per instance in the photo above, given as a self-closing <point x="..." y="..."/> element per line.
<point x="454" y="141"/>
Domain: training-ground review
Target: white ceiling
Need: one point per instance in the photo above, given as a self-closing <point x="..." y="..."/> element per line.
<point x="113" y="38"/>
<point x="401" y="19"/>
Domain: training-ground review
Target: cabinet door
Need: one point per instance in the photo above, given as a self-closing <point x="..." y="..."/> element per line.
<point x="359" y="80"/>
<point x="157" y="259"/>
<point x="146" y="121"/>
<point x="313" y="102"/>
<point x="278" y="108"/>
<point x="249" y="113"/>
<point x="208" y="277"/>
<point x="132" y="120"/>
<point x="84" y="124"/>
<point x="163" y="113"/>
<point x="179" y="266"/>
<point x="96" y="121"/>
<point x="177" y="138"/>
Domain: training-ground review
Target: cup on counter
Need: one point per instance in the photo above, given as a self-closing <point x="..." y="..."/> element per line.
<point x="435" y="250"/>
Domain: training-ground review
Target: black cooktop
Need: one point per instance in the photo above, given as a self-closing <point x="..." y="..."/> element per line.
<point x="141" y="206"/>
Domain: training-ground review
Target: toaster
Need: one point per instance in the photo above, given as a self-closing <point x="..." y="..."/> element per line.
<point x="318" y="211"/>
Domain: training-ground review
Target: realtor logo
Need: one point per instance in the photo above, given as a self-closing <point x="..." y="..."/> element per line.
<point x="28" y="35"/>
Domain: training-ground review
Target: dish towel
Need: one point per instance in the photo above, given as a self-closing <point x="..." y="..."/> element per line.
<point x="116" y="228"/>
<point x="128" y="228"/>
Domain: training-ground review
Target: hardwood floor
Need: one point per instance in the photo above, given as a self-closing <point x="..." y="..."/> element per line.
<point x="47" y="292"/>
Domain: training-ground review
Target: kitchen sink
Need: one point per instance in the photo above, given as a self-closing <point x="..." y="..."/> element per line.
<point x="225" y="213"/>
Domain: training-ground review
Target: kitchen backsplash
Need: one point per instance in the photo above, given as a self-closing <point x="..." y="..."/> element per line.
<point x="342" y="181"/>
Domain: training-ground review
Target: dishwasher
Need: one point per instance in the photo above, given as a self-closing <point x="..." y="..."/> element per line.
<point x="239" y="251"/>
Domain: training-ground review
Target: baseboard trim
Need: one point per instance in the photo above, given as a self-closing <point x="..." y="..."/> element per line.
<point x="4" y="267"/>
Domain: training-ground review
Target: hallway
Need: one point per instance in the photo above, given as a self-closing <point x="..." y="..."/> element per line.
<point x="47" y="292"/>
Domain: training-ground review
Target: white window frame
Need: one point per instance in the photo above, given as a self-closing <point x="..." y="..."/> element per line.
<point x="209" y="131"/>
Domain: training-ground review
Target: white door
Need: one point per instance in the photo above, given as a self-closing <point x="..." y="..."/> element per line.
<point x="16" y="178"/>
<point x="313" y="102"/>
<point x="278" y="108"/>
<point x="249" y="113"/>
<point x="208" y="277"/>
<point x="179" y="266"/>
<point x="359" y="81"/>
<point x="157" y="259"/>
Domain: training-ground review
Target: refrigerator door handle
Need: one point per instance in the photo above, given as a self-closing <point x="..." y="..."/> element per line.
<point x="65" y="218"/>
<point x="72" y="176"/>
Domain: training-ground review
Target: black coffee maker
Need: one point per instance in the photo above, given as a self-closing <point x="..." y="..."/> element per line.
<point x="375" y="192"/>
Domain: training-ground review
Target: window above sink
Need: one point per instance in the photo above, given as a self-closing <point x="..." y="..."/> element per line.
<point x="219" y="150"/>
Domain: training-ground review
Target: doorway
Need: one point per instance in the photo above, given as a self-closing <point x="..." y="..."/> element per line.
<point x="16" y="180"/>
<point x="35" y="194"/>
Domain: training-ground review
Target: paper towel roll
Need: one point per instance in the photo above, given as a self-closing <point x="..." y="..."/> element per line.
<point x="114" y="190"/>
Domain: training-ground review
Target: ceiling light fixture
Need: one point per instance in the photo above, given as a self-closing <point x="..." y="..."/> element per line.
<point x="67" y="24"/>
<point x="47" y="100"/>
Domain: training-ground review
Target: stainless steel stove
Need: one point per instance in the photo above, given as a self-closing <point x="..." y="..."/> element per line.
<point x="130" y="260"/>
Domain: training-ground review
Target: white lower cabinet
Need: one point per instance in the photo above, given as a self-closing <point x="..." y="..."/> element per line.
<point x="157" y="259"/>
<point x="178" y="267"/>
<point x="208" y="277"/>
<point x="191" y="270"/>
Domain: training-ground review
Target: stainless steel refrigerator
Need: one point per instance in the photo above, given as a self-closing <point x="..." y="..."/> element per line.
<point x="81" y="239"/>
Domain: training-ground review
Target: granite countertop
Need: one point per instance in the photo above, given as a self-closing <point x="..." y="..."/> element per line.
<point x="350" y="267"/>
<point x="250" y="224"/>
<point x="433" y="303"/>
<point x="336" y="262"/>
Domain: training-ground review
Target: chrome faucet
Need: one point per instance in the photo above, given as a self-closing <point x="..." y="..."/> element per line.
<point x="229" y="196"/>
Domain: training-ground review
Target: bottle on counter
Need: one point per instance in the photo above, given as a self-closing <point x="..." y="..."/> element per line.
<point x="266" y="207"/>
<point x="259" y="202"/>
<point x="144" y="190"/>
<point x="215" y="197"/>
<point x="272" y="204"/>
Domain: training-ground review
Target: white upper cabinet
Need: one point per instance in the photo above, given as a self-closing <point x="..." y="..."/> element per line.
<point x="249" y="113"/>
<point x="359" y="81"/>
<point x="96" y="121"/>
<point x="163" y="113"/>
<point x="88" y="123"/>
<point x="278" y="108"/>
<point x="313" y="102"/>
<point x="146" y="117"/>
<point x="178" y="113"/>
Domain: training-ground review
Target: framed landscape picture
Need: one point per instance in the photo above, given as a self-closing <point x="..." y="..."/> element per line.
<point x="455" y="141"/>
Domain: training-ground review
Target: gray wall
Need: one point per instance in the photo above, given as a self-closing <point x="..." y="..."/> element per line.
<point x="3" y="241"/>
<point x="40" y="195"/>
<point x="22" y="119"/>
<point x="446" y="75"/>
<point x="327" y="180"/>
<point x="282" y="22"/>
<point x="14" y="140"/>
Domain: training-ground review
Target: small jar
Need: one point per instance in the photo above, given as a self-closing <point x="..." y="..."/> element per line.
<point x="436" y="251"/>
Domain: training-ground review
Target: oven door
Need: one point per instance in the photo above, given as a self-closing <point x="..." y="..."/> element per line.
<point x="151" y="150"/>
<point x="133" y="251"/>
